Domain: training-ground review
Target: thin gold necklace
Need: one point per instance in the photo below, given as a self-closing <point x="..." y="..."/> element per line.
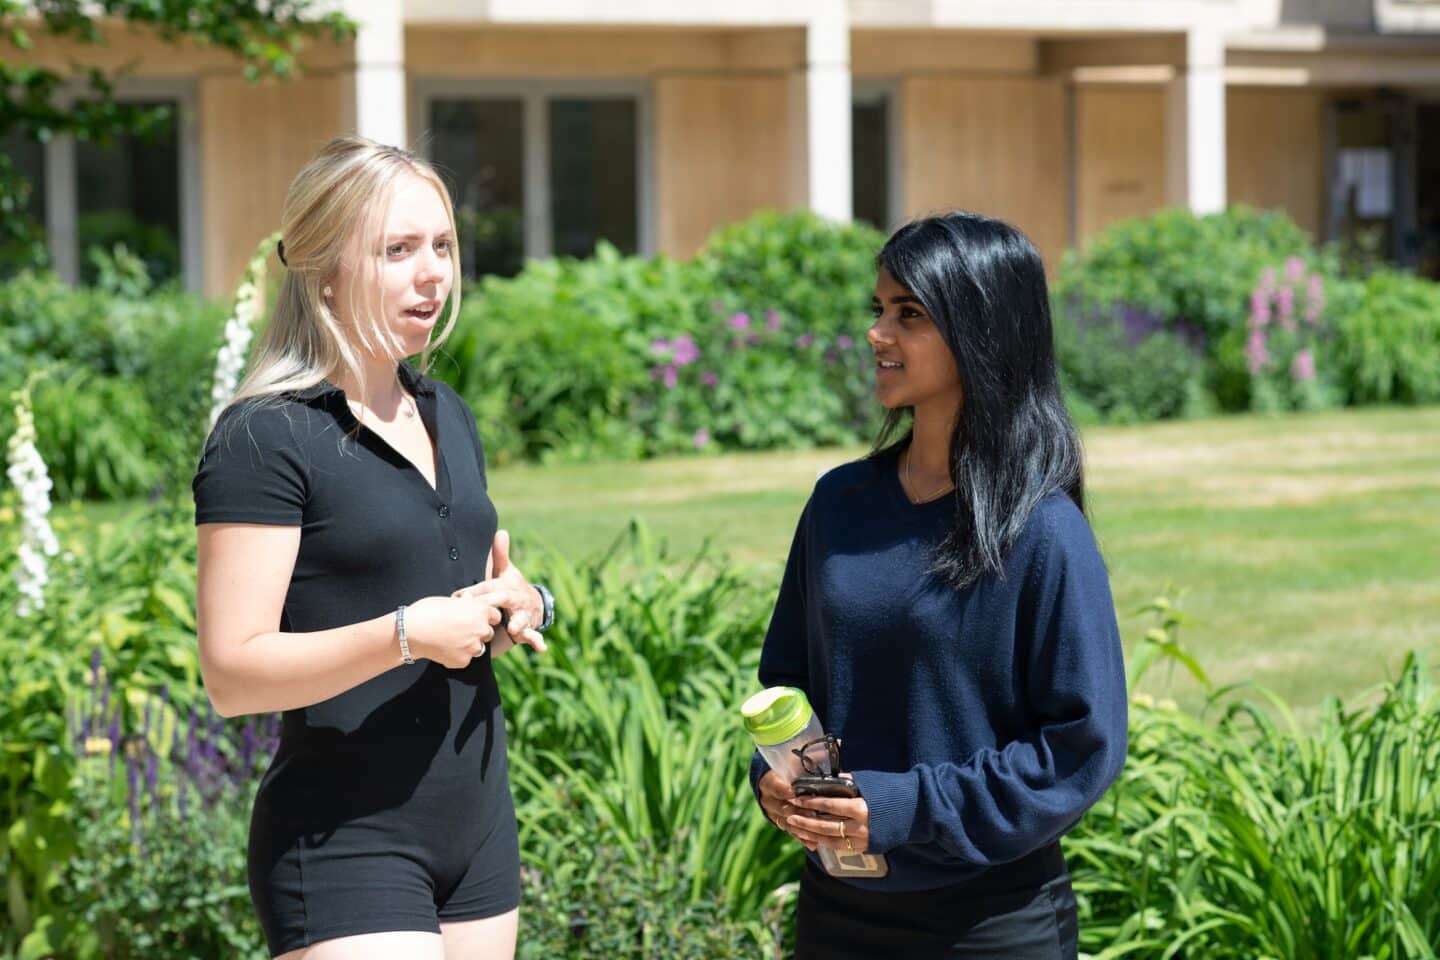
<point x="909" y="483"/>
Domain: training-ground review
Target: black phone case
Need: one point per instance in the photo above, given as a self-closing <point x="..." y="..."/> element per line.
<point x="825" y="787"/>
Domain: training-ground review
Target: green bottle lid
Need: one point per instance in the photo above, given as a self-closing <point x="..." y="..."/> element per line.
<point x="776" y="714"/>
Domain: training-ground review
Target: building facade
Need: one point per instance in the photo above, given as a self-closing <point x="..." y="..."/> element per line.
<point x="648" y="123"/>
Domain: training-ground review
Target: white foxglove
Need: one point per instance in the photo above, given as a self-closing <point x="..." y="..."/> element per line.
<point x="230" y="361"/>
<point x="26" y="470"/>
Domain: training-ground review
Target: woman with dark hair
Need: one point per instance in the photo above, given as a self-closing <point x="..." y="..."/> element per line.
<point x="947" y="612"/>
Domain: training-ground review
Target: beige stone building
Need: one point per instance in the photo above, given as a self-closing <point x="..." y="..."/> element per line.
<point x="649" y="122"/>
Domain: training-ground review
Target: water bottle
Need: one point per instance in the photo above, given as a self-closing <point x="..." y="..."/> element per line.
<point x="783" y="725"/>
<point x="781" y="721"/>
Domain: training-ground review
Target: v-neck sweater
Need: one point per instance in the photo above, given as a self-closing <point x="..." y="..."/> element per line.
<point x="979" y="723"/>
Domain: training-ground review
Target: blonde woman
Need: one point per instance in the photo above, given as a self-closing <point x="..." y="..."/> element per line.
<point x="352" y="576"/>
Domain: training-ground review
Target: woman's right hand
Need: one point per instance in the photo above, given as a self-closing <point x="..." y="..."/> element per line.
<point x="451" y="631"/>
<point x="775" y="797"/>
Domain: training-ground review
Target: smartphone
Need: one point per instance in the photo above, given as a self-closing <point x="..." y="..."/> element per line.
<point x="825" y="787"/>
<point x="840" y="863"/>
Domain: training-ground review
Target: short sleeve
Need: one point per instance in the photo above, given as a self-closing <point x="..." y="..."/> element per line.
<point x="253" y="468"/>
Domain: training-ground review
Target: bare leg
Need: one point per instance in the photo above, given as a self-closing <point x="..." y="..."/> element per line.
<point x="396" y="945"/>
<point x="492" y="938"/>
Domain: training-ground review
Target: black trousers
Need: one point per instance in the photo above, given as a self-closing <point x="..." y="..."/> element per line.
<point x="1019" y="911"/>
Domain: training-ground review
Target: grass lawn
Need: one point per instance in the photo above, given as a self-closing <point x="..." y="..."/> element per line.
<point x="1309" y="544"/>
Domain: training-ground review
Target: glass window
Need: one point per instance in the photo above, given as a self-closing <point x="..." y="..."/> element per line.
<point x="128" y="191"/>
<point x="479" y="148"/>
<point x="27" y="159"/>
<point x="593" y="177"/>
<point x="870" y="159"/>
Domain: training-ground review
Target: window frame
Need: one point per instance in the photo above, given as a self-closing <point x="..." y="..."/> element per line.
<point x="62" y="201"/>
<point x="535" y="93"/>
<point x="891" y="89"/>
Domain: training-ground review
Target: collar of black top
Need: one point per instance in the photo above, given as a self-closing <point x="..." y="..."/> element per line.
<point x="412" y="379"/>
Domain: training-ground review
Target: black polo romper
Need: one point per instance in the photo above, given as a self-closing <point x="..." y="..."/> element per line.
<point x="387" y="807"/>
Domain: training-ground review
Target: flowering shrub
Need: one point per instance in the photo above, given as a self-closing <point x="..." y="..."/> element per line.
<point x="1192" y="275"/>
<point x="240" y="328"/>
<point x="1285" y="333"/>
<point x="27" y="472"/>
<point x="163" y="801"/>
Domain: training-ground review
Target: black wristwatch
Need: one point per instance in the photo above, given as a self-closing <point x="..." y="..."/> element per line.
<point x="548" y="603"/>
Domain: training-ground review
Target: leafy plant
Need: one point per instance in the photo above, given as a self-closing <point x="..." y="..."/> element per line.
<point x="1389" y="339"/>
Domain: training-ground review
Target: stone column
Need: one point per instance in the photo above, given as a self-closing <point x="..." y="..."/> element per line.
<point x="1195" y="118"/>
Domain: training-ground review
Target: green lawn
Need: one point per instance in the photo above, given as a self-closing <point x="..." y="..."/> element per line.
<point x="1309" y="544"/>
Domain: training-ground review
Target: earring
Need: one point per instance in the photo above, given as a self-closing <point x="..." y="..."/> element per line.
<point x="325" y="292"/>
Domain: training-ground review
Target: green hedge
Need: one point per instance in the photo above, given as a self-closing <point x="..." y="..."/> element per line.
<point x="755" y="343"/>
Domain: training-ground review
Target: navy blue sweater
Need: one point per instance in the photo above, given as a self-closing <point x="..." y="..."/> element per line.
<point x="979" y="724"/>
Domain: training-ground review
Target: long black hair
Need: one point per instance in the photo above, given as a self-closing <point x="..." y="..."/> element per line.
<point x="983" y="284"/>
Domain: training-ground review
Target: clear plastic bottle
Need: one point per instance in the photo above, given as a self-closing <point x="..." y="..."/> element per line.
<point x="780" y="720"/>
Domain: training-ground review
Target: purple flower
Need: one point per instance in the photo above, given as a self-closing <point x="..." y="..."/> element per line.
<point x="739" y="321"/>
<point x="709" y="379"/>
<point x="660" y="347"/>
<point x="701" y="439"/>
<point x="804" y="340"/>
<point x="844" y="342"/>
<point x="684" y="351"/>
<point x="671" y="377"/>
<point x="1259" y="308"/>
<point x="1256" y="354"/>
<point x="1303" y="369"/>
<point x="666" y="372"/>
<point x="1294" y="269"/>
<point x="772" y="320"/>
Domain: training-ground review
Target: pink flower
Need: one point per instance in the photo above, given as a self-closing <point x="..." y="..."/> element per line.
<point x="804" y="340"/>
<point x="1294" y="269"/>
<point x="772" y="320"/>
<point x="1259" y="308"/>
<point x="659" y="347"/>
<point x="1285" y="302"/>
<point x="701" y="439"/>
<point x="844" y="342"/>
<point x="1314" y="299"/>
<point x="1267" y="279"/>
<point x="739" y="321"/>
<point x="709" y="379"/>
<point x="1256" y="354"/>
<point x="684" y="350"/>
<point x="1303" y="369"/>
<point x="666" y="372"/>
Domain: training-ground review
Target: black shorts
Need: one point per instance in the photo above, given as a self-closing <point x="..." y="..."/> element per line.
<point x="371" y="876"/>
<point x="1022" y="911"/>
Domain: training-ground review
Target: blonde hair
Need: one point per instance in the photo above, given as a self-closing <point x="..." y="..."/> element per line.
<point x="335" y="209"/>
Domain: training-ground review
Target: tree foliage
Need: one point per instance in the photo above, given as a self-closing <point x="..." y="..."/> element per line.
<point x="41" y="103"/>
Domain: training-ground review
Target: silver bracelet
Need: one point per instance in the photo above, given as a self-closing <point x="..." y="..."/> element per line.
<point x="400" y="632"/>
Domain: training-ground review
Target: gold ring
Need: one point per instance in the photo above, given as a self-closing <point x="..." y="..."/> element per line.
<point x="842" y="831"/>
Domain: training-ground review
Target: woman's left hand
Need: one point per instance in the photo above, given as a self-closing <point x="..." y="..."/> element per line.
<point x="842" y="823"/>
<point x="508" y="589"/>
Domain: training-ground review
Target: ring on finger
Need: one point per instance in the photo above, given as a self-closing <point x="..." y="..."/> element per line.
<point x="842" y="831"/>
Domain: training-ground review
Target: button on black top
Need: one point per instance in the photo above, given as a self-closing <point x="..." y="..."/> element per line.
<point x="454" y="554"/>
<point x="444" y="510"/>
